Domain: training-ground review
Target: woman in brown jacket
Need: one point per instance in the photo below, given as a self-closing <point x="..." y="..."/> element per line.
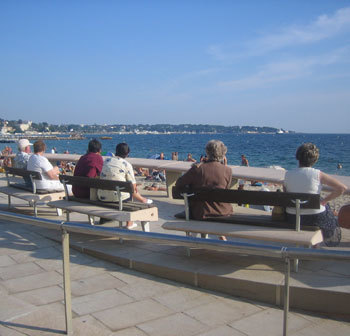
<point x="212" y="173"/>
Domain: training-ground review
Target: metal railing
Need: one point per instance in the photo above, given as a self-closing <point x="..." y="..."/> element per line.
<point x="284" y="253"/>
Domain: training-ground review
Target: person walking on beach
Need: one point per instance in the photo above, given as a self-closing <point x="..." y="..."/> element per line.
<point x="117" y="168"/>
<point x="89" y="165"/>
<point x="306" y="179"/>
<point x="244" y="161"/>
<point x="210" y="173"/>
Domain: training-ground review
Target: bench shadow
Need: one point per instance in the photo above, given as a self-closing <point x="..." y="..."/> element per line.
<point x="25" y="326"/>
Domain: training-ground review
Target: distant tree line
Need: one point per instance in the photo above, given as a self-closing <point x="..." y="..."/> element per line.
<point x="160" y="128"/>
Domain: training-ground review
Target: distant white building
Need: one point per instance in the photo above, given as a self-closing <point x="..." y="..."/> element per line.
<point x="25" y="125"/>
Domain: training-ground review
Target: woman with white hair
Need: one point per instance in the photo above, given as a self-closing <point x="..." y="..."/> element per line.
<point x="212" y="173"/>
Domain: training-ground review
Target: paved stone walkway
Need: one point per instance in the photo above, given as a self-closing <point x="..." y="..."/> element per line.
<point x="110" y="300"/>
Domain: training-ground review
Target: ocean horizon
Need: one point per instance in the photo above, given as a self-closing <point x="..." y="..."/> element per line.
<point x="262" y="150"/>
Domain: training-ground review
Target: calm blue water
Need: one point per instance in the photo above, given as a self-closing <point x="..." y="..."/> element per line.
<point x="262" y="150"/>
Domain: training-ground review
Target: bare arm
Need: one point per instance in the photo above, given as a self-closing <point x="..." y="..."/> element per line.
<point x="53" y="173"/>
<point x="338" y="188"/>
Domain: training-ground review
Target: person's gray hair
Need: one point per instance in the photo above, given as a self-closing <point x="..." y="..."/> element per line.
<point x="216" y="150"/>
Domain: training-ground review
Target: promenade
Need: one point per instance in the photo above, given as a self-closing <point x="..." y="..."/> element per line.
<point x="137" y="288"/>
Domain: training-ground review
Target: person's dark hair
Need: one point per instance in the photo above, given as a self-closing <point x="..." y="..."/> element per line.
<point x="39" y="146"/>
<point x="307" y="154"/>
<point x="122" y="150"/>
<point x="94" y="146"/>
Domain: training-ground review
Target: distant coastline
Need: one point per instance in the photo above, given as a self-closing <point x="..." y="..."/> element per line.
<point x="19" y="127"/>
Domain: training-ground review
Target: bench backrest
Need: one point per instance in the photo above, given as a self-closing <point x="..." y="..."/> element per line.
<point x="28" y="176"/>
<point x="97" y="183"/>
<point x="284" y="199"/>
<point x="23" y="172"/>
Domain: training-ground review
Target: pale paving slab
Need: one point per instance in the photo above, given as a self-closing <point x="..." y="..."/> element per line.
<point x="91" y="303"/>
<point x="5" y="260"/>
<point x="325" y="328"/>
<point x="184" y="298"/>
<point x="19" y="270"/>
<point x="130" y="276"/>
<point x="33" y="255"/>
<point x="148" y="289"/>
<point x="49" y="320"/>
<point x="222" y="331"/>
<point x="42" y="296"/>
<point x="27" y="283"/>
<point x="76" y="259"/>
<point x="269" y="322"/>
<point x="11" y="307"/>
<point x="132" y="314"/>
<point x="7" y="330"/>
<point x="89" y="326"/>
<point x="95" y="284"/>
<point x="178" y="324"/>
<point x="133" y="331"/>
<point x="217" y="313"/>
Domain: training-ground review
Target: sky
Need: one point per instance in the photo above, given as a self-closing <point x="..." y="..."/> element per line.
<point x="284" y="64"/>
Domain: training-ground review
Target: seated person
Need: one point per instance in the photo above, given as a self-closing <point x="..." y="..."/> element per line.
<point x="306" y="179"/>
<point x="22" y="157"/>
<point x="89" y="165"/>
<point x="38" y="162"/>
<point x="117" y="168"/>
<point x="210" y="173"/>
<point x="190" y="158"/>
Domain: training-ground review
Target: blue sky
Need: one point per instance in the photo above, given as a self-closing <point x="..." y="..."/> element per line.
<point x="264" y="63"/>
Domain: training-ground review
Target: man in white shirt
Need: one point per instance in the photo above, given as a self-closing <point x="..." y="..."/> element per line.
<point x="38" y="162"/>
<point x="24" y="152"/>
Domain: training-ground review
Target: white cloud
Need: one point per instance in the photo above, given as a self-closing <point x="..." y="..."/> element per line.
<point x="285" y="70"/>
<point x="325" y="26"/>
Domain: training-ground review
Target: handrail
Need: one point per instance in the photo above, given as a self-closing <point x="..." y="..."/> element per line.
<point x="285" y="253"/>
<point x="162" y="238"/>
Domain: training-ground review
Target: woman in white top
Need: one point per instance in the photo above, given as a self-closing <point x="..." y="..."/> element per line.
<point x="306" y="179"/>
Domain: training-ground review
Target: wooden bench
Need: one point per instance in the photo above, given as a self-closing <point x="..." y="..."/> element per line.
<point x="250" y="223"/>
<point x="16" y="187"/>
<point x="122" y="211"/>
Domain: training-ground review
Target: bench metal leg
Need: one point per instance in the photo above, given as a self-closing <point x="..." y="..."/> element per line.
<point x="67" y="216"/>
<point x="296" y="265"/>
<point x="9" y="201"/>
<point x="188" y="249"/>
<point x="145" y="226"/>
<point x="120" y="226"/>
<point x="204" y="235"/>
<point x="91" y="220"/>
<point x="35" y="209"/>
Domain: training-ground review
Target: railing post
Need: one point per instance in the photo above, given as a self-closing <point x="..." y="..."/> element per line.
<point x="66" y="283"/>
<point x="286" y="296"/>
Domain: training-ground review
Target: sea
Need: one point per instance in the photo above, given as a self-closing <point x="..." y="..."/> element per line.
<point x="262" y="150"/>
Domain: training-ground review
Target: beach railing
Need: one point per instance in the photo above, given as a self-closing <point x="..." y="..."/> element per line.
<point x="283" y="253"/>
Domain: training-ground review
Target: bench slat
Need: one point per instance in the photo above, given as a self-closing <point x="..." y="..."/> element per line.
<point x="149" y="214"/>
<point x="29" y="196"/>
<point x="305" y="238"/>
